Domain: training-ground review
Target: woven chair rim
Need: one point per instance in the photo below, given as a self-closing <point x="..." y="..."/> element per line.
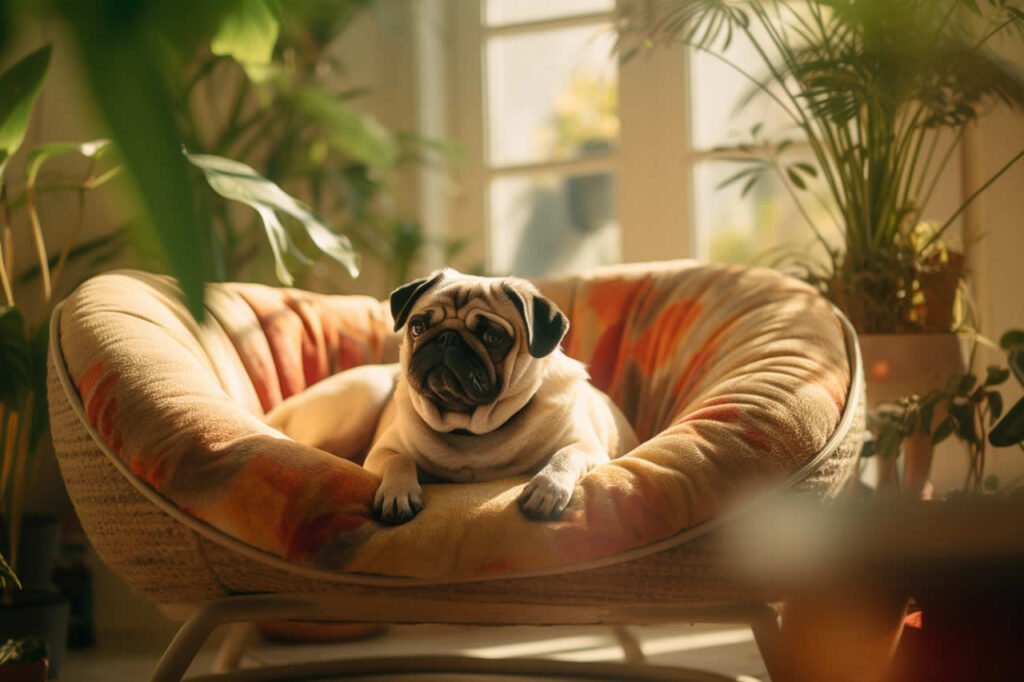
<point x="219" y="537"/>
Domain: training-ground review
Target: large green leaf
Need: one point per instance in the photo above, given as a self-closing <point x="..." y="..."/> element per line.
<point x="118" y="45"/>
<point x="239" y="182"/>
<point x="359" y="136"/>
<point x="1010" y="429"/>
<point x="19" y="86"/>
<point x="247" y="33"/>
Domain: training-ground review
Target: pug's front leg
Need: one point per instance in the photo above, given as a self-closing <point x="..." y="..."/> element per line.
<point x="399" y="497"/>
<point x="550" y="490"/>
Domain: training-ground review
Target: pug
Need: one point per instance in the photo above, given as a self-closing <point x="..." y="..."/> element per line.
<point x="482" y="391"/>
<point x="485" y="392"/>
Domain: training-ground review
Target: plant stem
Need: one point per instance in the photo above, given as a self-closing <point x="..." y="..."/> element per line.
<point x="6" y="246"/>
<point x="262" y="133"/>
<point x="802" y="120"/>
<point x="38" y="241"/>
<point x="5" y="280"/>
<point x="202" y="71"/>
<point x="18" y="481"/>
<point x="800" y="206"/>
<point x="743" y="72"/>
<point x="75" y="229"/>
<point x="974" y="195"/>
<point x="941" y="168"/>
<point x="10" y="436"/>
<point x="988" y="36"/>
<point x="231" y="128"/>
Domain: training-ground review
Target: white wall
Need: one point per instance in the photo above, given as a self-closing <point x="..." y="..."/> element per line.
<point x="997" y="262"/>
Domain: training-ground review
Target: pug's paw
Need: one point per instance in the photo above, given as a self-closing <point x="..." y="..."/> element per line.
<point x="547" y="495"/>
<point x="397" y="502"/>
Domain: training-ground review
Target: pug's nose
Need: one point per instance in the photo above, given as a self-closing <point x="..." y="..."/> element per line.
<point x="447" y="337"/>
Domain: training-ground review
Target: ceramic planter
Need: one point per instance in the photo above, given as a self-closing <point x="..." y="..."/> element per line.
<point x="899" y="365"/>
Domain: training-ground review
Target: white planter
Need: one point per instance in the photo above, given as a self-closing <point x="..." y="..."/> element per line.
<point x="899" y="365"/>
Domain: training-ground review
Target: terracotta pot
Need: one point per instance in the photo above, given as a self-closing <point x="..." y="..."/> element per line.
<point x="940" y="288"/>
<point x="901" y="365"/>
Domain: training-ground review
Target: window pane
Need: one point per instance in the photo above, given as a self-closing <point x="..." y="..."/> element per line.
<point x="498" y="12"/>
<point x="547" y="224"/>
<point x="551" y="95"/>
<point x="763" y="227"/>
<point x="719" y="90"/>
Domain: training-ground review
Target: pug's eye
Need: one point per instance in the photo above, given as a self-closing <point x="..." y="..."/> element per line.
<point x="416" y="327"/>
<point x="493" y="336"/>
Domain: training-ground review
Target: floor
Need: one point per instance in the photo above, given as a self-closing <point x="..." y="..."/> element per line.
<point x="728" y="650"/>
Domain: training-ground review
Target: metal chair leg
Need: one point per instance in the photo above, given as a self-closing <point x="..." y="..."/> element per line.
<point x="231" y="650"/>
<point x="768" y="636"/>
<point x="186" y="643"/>
<point x="205" y="618"/>
<point x="631" y="651"/>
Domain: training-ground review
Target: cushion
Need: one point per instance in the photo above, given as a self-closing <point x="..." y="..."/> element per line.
<point x="733" y="378"/>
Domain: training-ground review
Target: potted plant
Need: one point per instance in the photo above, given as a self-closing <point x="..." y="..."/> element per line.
<point x="972" y="408"/>
<point x="881" y="93"/>
<point x="284" y="114"/>
<point x="33" y="605"/>
<point x="967" y="406"/>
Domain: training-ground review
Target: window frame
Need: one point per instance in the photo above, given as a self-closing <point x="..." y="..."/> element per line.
<point x="654" y="162"/>
<point x="652" y="179"/>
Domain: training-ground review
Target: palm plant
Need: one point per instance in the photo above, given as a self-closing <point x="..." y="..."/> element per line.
<point x="870" y="85"/>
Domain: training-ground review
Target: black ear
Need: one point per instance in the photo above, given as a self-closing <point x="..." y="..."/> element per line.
<point x="545" y="324"/>
<point x="404" y="297"/>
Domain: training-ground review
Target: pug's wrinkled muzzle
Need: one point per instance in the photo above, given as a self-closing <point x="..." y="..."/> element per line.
<point x="450" y="373"/>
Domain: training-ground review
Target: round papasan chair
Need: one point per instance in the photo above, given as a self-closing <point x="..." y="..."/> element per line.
<point x="740" y="382"/>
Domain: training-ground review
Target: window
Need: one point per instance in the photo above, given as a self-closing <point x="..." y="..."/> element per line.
<point x="574" y="160"/>
<point x="538" y="115"/>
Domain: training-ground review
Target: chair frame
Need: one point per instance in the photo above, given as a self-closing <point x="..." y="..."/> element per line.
<point x="386" y="600"/>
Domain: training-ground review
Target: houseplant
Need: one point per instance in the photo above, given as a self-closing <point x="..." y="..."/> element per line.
<point x="973" y="408"/>
<point x="149" y="67"/>
<point x="24" y="660"/>
<point x="272" y="62"/>
<point x="968" y="406"/>
<point x="868" y="85"/>
<point x="39" y="608"/>
<point x="880" y="92"/>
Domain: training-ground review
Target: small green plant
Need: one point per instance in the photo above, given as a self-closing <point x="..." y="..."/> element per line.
<point x="969" y="407"/>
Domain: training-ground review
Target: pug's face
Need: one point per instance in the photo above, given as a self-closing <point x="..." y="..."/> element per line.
<point x="467" y="339"/>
